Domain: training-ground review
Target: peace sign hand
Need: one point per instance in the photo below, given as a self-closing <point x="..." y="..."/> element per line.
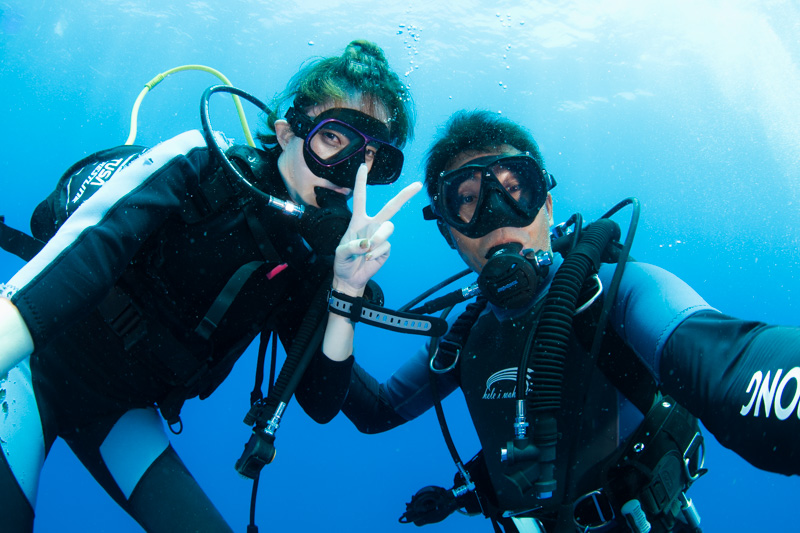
<point x="364" y="248"/>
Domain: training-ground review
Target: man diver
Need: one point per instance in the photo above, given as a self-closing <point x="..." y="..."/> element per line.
<point x="597" y="440"/>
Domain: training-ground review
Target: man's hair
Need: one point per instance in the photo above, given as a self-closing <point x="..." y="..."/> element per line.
<point x="474" y="131"/>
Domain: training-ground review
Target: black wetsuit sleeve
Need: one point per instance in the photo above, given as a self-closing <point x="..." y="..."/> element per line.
<point x="742" y="379"/>
<point x="330" y="386"/>
<point x="367" y="405"/>
<point x="375" y="407"/>
<point x="323" y="388"/>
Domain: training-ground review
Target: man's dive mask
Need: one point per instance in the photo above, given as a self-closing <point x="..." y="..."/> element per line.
<point x="338" y="141"/>
<point x="491" y="192"/>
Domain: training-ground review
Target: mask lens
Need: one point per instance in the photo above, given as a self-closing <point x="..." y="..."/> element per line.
<point x="332" y="142"/>
<point x="461" y="193"/>
<point x="522" y="181"/>
<point x="338" y="148"/>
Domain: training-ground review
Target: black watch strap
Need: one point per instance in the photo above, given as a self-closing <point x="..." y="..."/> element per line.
<point x="361" y="310"/>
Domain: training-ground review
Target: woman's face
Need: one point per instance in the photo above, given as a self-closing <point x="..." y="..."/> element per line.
<point x="298" y="178"/>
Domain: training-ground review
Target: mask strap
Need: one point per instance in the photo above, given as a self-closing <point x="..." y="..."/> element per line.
<point x="444" y="229"/>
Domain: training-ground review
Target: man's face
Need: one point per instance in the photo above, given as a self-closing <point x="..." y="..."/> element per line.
<point x="535" y="236"/>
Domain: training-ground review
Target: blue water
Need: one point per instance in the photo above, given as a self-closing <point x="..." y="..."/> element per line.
<point x="693" y="107"/>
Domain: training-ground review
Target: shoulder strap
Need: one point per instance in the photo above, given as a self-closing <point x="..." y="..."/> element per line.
<point x="450" y="346"/>
<point x="209" y="193"/>
<point x="617" y="360"/>
<point x="18" y="242"/>
<point x="217" y="187"/>
<point x="225" y="298"/>
<point x="444" y="354"/>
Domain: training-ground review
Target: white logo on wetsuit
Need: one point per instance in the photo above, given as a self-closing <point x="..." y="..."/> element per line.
<point x="769" y="392"/>
<point x="98" y="177"/>
<point x="503" y="384"/>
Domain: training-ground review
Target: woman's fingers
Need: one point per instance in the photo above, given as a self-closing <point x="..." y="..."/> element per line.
<point x="393" y="206"/>
<point x="379" y="251"/>
<point x="382" y="234"/>
<point x="360" y="192"/>
<point x="353" y="247"/>
<point x="367" y="246"/>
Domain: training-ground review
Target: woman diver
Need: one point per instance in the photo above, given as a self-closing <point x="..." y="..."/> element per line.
<point x="155" y="286"/>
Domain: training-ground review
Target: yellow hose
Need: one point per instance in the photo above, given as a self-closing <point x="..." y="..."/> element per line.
<point x="158" y="79"/>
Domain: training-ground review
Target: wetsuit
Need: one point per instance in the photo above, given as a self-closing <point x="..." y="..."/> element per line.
<point x="146" y="296"/>
<point x="742" y="379"/>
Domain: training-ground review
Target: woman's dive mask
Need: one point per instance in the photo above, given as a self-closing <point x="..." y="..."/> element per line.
<point x="339" y="140"/>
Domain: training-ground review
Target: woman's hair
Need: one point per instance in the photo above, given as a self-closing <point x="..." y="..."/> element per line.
<point x="362" y="70"/>
<point x="474" y="131"/>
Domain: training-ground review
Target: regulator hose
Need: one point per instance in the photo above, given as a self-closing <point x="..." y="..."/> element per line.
<point x="555" y="325"/>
